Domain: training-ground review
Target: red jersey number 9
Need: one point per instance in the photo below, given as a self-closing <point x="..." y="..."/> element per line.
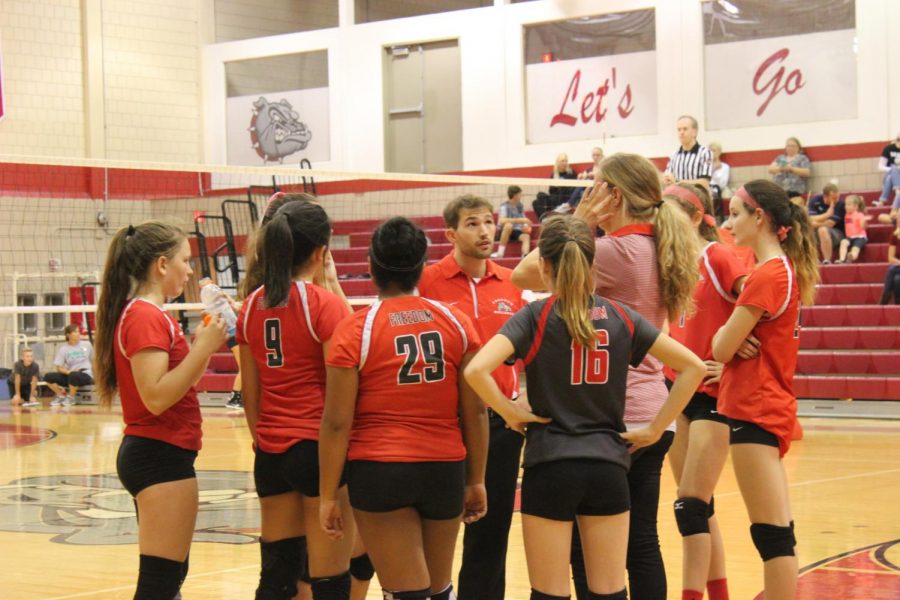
<point x="272" y="336"/>
<point x="430" y="347"/>
<point x="591" y="366"/>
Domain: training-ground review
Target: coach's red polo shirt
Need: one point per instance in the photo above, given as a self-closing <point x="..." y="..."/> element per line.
<point x="489" y="301"/>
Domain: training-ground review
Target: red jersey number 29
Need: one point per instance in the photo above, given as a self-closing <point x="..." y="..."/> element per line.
<point x="591" y="365"/>
<point x="430" y="347"/>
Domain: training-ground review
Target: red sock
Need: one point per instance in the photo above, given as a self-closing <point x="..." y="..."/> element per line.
<point x="691" y="595"/>
<point x="718" y="589"/>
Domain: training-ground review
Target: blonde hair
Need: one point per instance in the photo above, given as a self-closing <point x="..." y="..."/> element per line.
<point x="677" y="247"/>
<point x="556" y="171"/>
<point x="857" y="200"/>
<point x="568" y="244"/>
<point x="707" y="232"/>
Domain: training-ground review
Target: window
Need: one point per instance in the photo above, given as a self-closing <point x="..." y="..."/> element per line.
<point x="591" y="77"/>
<point x="54" y="322"/>
<point x="27" y="321"/>
<point x="797" y="62"/>
<point x="247" y="19"/>
<point x="369" y="11"/>
<point x="277" y="110"/>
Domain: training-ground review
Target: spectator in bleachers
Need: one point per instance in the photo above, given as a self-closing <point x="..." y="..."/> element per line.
<point x="718" y="183"/>
<point x="588" y="174"/>
<point x="892" y="277"/>
<point x="556" y="195"/>
<point x="791" y="169"/>
<point x="73" y="367"/>
<point x="514" y="225"/>
<point x="23" y="381"/>
<point x="889" y="164"/>
<point x="855" y="221"/>
<point x="691" y="163"/>
<point x="826" y="217"/>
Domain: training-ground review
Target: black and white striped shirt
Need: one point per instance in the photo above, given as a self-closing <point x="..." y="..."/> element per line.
<point x="695" y="163"/>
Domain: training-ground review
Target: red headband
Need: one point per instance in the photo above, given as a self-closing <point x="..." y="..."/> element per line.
<point x="744" y="195"/>
<point x="691" y="198"/>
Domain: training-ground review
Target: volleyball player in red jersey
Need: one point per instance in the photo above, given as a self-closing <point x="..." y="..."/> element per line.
<point x="142" y="354"/>
<point x="756" y="392"/>
<point x="283" y="330"/>
<point x="577" y="348"/>
<point x="418" y="445"/>
<point x="701" y="438"/>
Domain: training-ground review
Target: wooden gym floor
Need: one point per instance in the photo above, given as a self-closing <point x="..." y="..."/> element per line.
<point x="67" y="529"/>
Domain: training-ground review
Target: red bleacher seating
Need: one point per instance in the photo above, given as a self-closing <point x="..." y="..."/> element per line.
<point x="849" y="344"/>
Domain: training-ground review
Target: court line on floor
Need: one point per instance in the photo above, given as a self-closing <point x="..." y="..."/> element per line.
<point x="808" y="482"/>
<point x="131" y="586"/>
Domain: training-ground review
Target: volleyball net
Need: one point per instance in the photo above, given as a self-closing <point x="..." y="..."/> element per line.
<point x="60" y="214"/>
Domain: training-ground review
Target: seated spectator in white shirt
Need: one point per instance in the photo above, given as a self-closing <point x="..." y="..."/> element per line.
<point x="73" y="367"/>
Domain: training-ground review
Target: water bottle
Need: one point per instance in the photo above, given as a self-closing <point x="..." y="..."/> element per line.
<point x="217" y="304"/>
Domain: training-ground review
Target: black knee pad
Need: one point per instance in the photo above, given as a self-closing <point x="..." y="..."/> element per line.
<point x="620" y="595"/>
<point x="408" y="595"/>
<point x="282" y="565"/>
<point x="536" y="595"/>
<point x="712" y="507"/>
<point x="691" y="514"/>
<point x="772" y="541"/>
<point x="158" y="578"/>
<point x="361" y="567"/>
<point x="336" y="587"/>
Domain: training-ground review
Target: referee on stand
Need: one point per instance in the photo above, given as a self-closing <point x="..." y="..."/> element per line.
<point x="691" y="163"/>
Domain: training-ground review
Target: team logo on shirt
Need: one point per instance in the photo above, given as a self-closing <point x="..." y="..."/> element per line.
<point x="503" y="306"/>
<point x="95" y="510"/>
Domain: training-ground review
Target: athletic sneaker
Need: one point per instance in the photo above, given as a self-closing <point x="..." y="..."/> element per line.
<point x="30" y="403"/>
<point x="236" y="402"/>
<point x="563" y="209"/>
<point x="58" y="400"/>
<point x="68" y="401"/>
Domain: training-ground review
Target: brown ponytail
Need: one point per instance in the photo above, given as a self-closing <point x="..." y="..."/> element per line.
<point x="799" y="244"/>
<point x="677" y="247"/>
<point x="128" y="260"/>
<point x="568" y="244"/>
<point x="253" y="274"/>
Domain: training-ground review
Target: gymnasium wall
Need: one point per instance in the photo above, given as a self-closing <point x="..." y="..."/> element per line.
<point x="115" y="79"/>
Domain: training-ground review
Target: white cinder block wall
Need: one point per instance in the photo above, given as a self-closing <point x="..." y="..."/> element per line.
<point x="145" y="79"/>
<point x="43" y="88"/>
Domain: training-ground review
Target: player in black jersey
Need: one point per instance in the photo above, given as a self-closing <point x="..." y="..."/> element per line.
<point x="577" y="347"/>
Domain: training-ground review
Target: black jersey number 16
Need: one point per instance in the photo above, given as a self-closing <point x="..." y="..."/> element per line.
<point x="431" y="348"/>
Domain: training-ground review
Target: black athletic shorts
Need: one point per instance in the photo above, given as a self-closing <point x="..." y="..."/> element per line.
<point x="513" y="235"/>
<point x="76" y="378"/>
<point x="231" y="342"/>
<point x="434" y="489"/>
<point x="294" y="470"/>
<point x="858" y="242"/>
<point x="143" y="462"/>
<point x="745" y="432"/>
<point x="702" y="407"/>
<point x="562" y="489"/>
